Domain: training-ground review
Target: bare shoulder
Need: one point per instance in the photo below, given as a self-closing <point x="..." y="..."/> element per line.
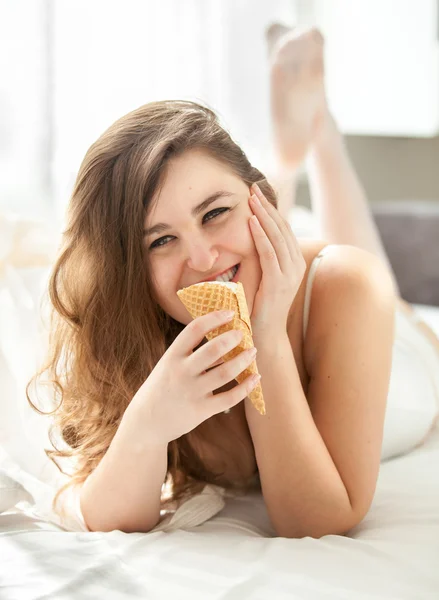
<point x="349" y="281"/>
<point x="341" y="258"/>
<point x="352" y="269"/>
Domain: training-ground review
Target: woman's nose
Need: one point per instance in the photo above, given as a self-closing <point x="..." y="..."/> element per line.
<point x="201" y="255"/>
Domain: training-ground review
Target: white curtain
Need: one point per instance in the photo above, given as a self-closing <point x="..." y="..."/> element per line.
<point x="25" y="125"/>
<point x="78" y="65"/>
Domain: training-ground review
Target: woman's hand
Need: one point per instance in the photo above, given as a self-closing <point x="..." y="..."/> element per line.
<point x="282" y="263"/>
<point x="179" y="393"/>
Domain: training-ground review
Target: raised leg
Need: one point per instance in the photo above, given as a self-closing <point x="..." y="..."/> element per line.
<point x="304" y="129"/>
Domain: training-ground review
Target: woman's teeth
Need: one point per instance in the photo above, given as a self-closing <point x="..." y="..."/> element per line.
<point x="230" y="274"/>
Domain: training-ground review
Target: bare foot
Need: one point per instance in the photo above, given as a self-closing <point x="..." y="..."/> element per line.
<point x="298" y="101"/>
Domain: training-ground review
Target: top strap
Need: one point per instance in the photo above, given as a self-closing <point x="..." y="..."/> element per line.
<point x="311" y="275"/>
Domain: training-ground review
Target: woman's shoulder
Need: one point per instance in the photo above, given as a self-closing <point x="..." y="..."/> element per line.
<point x="342" y="261"/>
<point x="343" y="264"/>
<point x="337" y="267"/>
<point x="346" y="271"/>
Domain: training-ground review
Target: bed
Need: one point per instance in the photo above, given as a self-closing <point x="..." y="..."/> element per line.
<point x="392" y="554"/>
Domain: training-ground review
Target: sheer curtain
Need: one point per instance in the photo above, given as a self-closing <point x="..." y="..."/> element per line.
<point x="75" y="66"/>
<point x="25" y="125"/>
<point x="111" y="57"/>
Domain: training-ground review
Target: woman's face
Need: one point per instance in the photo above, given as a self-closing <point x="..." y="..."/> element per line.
<point x="193" y="243"/>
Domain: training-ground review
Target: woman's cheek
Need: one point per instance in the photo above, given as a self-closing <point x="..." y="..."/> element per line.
<point x="160" y="278"/>
<point x="166" y="278"/>
<point x="240" y="232"/>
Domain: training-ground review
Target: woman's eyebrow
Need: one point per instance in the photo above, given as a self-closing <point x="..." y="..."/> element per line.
<point x="160" y="227"/>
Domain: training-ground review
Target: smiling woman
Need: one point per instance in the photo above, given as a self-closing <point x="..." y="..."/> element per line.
<point x="165" y="168"/>
<point x="147" y="409"/>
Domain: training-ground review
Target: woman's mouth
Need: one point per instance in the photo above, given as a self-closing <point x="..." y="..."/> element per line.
<point x="230" y="275"/>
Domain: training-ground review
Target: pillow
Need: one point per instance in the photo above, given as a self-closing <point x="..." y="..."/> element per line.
<point x="11" y="492"/>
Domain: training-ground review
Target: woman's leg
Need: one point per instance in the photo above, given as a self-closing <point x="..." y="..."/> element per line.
<point x="304" y="129"/>
<point x="338" y="199"/>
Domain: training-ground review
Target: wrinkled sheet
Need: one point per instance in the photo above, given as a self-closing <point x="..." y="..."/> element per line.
<point x="392" y="554"/>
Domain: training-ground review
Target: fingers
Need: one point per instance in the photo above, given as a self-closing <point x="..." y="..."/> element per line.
<point x="216" y="363"/>
<point x="212" y="352"/>
<point x="228" y="371"/>
<point x="194" y="333"/>
<point x="268" y="239"/>
<point x="278" y="237"/>
<point x="230" y="398"/>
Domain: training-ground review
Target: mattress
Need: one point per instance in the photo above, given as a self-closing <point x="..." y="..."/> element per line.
<point x="392" y="554"/>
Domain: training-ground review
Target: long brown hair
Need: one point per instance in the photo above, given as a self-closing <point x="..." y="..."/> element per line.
<point x="107" y="329"/>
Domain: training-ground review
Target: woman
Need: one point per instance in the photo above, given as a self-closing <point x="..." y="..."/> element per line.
<point x="164" y="199"/>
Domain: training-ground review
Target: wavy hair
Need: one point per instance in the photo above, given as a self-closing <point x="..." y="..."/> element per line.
<point x="104" y="315"/>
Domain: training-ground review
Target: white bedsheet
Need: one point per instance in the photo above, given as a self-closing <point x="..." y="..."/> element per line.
<point x="393" y="554"/>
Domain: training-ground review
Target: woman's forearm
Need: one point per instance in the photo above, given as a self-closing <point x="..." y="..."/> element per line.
<point x="124" y="490"/>
<point x="302" y="488"/>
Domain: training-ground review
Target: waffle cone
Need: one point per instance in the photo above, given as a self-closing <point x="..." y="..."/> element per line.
<point x="202" y="298"/>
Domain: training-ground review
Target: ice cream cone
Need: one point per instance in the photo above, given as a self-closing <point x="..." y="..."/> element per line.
<point x="202" y="298"/>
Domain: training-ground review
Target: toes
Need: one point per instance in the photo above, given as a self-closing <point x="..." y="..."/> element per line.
<point x="273" y="33"/>
<point x="296" y="49"/>
<point x="317" y="36"/>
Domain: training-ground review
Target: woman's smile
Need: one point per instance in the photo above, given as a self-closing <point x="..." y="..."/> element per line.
<point x="200" y="245"/>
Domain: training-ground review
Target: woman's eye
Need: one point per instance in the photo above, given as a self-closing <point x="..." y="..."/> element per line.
<point x="216" y="212"/>
<point x="221" y="210"/>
